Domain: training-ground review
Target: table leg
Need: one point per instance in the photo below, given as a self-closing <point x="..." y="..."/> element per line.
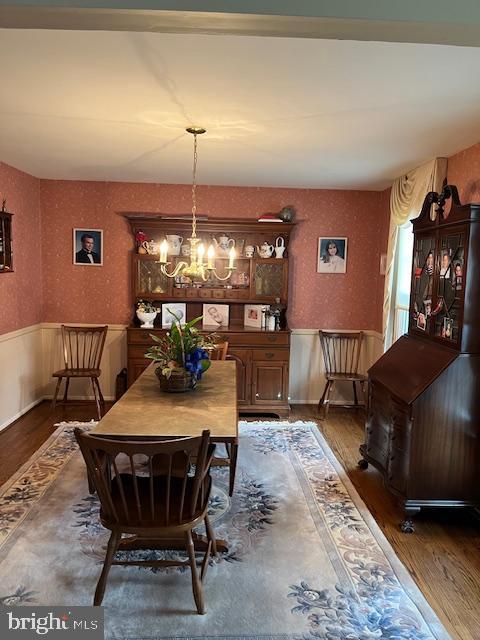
<point x="233" y="466"/>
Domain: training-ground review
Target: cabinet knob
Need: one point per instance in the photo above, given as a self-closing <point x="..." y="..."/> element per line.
<point x="270" y="355"/>
<point x="272" y="338"/>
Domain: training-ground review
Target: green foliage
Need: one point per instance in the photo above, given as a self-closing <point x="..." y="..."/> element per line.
<point x="180" y="345"/>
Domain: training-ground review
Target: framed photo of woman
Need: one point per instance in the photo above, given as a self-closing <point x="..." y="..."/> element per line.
<point x="332" y="255"/>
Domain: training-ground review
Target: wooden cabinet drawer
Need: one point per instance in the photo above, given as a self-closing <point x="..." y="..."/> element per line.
<point x="218" y="294"/>
<point x="271" y="355"/>
<point x="138" y="351"/>
<point x="237" y="294"/>
<point x="262" y="338"/>
<point x="142" y="336"/>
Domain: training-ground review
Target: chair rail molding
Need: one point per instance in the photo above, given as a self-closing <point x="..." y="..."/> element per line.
<point x="34" y="352"/>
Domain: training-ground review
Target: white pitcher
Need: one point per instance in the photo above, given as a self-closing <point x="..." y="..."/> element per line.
<point x="174" y="244"/>
<point x="279" y="247"/>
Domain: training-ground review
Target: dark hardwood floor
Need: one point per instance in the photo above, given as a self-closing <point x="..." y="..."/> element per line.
<point x="443" y="555"/>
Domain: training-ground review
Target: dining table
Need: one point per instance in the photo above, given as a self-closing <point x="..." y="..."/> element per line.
<point x="146" y="412"/>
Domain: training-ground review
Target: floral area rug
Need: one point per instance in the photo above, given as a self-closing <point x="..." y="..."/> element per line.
<point x="305" y="560"/>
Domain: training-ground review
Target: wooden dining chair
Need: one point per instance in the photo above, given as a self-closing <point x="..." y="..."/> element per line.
<point x="219" y="351"/>
<point x="341" y="355"/>
<point x="147" y="490"/>
<point x="82" y="352"/>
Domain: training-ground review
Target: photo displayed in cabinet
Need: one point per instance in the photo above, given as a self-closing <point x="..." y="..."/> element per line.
<point x="422" y="284"/>
<point x="215" y="315"/>
<point x="450" y="286"/>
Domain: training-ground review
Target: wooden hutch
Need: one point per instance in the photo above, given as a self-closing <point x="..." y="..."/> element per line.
<point x="423" y="423"/>
<point x="262" y="356"/>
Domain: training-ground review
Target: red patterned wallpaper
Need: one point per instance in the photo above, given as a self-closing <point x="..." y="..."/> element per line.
<point x="91" y="294"/>
<point x="43" y="245"/>
<point x="464" y="172"/>
<point x="21" y="291"/>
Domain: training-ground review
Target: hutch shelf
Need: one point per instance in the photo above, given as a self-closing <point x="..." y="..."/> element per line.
<point x="262" y="356"/>
<point x="423" y="422"/>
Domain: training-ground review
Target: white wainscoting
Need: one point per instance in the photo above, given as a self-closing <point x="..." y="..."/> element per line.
<point x="20" y="372"/>
<point x="307" y="379"/>
<point x="29" y="356"/>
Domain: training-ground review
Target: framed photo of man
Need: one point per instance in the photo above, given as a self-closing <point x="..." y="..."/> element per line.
<point x="332" y="255"/>
<point x="88" y="247"/>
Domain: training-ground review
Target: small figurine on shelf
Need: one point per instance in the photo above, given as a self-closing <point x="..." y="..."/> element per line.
<point x="140" y="238"/>
<point x="287" y="214"/>
<point x="278" y="310"/>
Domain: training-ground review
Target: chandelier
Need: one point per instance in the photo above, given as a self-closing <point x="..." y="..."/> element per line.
<point x="197" y="269"/>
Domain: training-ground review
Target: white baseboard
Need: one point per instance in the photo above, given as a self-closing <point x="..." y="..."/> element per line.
<point x="20" y="413"/>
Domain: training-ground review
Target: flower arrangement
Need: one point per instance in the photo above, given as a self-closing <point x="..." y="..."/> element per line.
<point x="181" y="352"/>
<point x="145" y="306"/>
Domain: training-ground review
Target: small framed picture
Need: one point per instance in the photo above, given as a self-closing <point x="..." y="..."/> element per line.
<point x="447" y="330"/>
<point x="332" y="255"/>
<point x="168" y="311"/>
<point x="252" y="315"/>
<point x="421" y="321"/>
<point x="88" y="247"/>
<point x="215" y="315"/>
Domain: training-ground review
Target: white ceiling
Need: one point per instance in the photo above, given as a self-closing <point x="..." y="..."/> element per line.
<point x="278" y="111"/>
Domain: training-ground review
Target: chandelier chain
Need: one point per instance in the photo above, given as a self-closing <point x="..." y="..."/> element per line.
<point x="194" y="187"/>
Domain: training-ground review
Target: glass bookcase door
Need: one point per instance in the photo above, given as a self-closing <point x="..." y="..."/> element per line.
<point x="269" y="279"/>
<point x="422" y="283"/>
<point x="150" y="281"/>
<point x="450" y="285"/>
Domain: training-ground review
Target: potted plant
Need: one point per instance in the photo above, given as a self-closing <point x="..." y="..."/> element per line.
<point x="181" y="355"/>
<point x="146" y="313"/>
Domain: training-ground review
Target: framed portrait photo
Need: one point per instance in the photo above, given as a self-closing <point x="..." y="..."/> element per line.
<point x="215" y="315"/>
<point x="332" y="255"/>
<point x="168" y="311"/>
<point x="252" y="315"/>
<point x="88" y="247"/>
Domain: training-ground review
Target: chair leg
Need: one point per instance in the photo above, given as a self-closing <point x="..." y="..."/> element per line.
<point x="97" y="401"/>
<point x="326" y="405"/>
<point x="355" y="397"/>
<point x="57" y="389"/>
<point x="65" y="395"/>
<point x="196" y="584"/>
<point x="211" y="534"/>
<point x="102" y="399"/>
<point x="233" y="466"/>
<point x="111" y="550"/>
<point x="324" y="400"/>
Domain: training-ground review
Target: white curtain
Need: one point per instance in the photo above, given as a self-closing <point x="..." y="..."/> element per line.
<point x="406" y="199"/>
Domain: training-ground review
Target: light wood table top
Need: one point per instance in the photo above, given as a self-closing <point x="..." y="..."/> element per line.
<point x="146" y="411"/>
